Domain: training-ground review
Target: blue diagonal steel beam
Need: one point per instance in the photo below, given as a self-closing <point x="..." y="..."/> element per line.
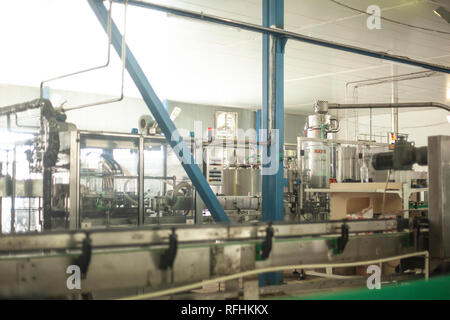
<point x="161" y="115"/>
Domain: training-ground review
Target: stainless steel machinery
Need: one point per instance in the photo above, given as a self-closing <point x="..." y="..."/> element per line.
<point x="100" y="179"/>
<point x="322" y="159"/>
<point x="316" y="163"/>
<point x="123" y="180"/>
<point x="83" y="179"/>
<point x="233" y="170"/>
<point x="319" y="159"/>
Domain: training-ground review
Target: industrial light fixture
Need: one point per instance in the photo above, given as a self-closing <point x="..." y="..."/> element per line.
<point x="443" y="13"/>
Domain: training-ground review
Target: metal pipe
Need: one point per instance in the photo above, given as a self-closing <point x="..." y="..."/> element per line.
<point x="394" y="99"/>
<point x="380" y="80"/>
<point x="336" y="141"/>
<point x="24" y="126"/>
<point x="123" y="56"/>
<point x="8" y="126"/>
<point x="141" y="182"/>
<point x="389" y="105"/>
<point x="288" y="35"/>
<point x="41" y="86"/>
<point x="300" y="170"/>
<point x="13" y="193"/>
<point x="248" y="273"/>
<point x="272" y="86"/>
<point x="29" y="214"/>
<point x="21" y="107"/>
<point x="399" y="77"/>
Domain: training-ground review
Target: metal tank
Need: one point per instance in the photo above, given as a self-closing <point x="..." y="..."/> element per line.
<point x="348" y="169"/>
<point x="241" y="181"/>
<point x="318" y="157"/>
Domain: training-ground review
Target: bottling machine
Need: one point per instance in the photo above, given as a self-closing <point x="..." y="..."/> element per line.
<point x="88" y="179"/>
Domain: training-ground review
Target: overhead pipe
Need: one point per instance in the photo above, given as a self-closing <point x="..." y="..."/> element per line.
<point x="21" y="107"/>
<point x="394" y="100"/>
<point x="123" y="55"/>
<point x="106" y="64"/>
<point x="22" y="125"/>
<point x="41" y="86"/>
<point x="396" y="78"/>
<point x="287" y="35"/>
<point x="10" y="129"/>
<point x="381" y="80"/>
<point x="389" y="105"/>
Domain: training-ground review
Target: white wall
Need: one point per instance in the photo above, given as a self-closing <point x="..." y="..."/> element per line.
<point x="121" y="116"/>
<point x="124" y="115"/>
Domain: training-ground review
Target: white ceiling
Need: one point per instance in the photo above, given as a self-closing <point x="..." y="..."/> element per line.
<point x="199" y="62"/>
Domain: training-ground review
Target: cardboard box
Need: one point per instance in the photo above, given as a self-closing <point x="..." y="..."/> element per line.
<point x="352" y="198"/>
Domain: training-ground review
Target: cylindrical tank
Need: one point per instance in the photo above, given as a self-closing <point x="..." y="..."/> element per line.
<point x="241" y="182"/>
<point x="317" y="164"/>
<point x="317" y="155"/>
<point x="348" y="168"/>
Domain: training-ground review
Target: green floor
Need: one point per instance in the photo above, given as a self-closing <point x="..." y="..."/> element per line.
<point x="437" y="288"/>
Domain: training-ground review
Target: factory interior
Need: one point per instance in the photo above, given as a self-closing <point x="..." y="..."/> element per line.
<point x="224" y="150"/>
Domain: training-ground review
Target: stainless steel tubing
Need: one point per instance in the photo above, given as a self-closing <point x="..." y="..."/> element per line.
<point x="389" y="105"/>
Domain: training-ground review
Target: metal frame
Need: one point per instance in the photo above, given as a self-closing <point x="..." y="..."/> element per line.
<point x="187" y="234"/>
<point x="438" y="197"/>
<point x="76" y="136"/>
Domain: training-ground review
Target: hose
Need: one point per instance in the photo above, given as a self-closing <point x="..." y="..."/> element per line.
<point x="322" y="130"/>
<point x="279" y="268"/>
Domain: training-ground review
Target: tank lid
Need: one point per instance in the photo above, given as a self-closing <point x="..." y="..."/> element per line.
<point x="321" y="106"/>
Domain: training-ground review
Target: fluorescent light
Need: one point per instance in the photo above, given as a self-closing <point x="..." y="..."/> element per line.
<point x="448" y="118"/>
<point x="443" y="13"/>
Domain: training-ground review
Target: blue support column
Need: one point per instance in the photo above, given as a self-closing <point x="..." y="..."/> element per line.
<point x="273" y="70"/>
<point x="161" y="115"/>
